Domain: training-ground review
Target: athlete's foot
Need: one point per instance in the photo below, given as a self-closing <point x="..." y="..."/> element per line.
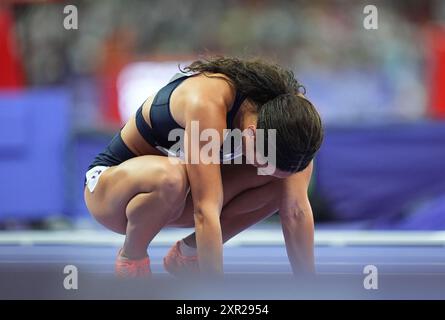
<point x="178" y="264"/>
<point x="130" y="268"/>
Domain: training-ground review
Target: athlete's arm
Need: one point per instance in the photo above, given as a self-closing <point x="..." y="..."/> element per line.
<point x="206" y="184"/>
<point x="297" y="221"/>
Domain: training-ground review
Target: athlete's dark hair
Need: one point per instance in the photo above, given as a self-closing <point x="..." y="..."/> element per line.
<point x="275" y="92"/>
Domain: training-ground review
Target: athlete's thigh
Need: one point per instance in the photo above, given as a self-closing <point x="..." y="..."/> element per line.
<point x="119" y="184"/>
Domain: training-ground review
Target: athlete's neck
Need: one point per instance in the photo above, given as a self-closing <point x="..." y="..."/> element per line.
<point x="246" y="116"/>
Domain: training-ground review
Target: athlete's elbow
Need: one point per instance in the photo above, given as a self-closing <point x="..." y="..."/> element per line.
<point x="206" y="214"/>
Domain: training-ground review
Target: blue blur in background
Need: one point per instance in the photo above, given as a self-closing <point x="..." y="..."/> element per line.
<point x="34" y="132"/>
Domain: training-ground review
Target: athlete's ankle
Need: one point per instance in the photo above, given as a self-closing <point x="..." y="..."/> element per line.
<point x="130" y="255"/>
<point x="187" y="250"/>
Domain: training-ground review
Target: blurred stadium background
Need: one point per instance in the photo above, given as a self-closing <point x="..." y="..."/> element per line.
<point x="381" y="93"/>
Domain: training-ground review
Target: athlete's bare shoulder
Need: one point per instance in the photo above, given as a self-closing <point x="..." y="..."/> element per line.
<point x="211" y="88"/>
<point x="211" y="95"/>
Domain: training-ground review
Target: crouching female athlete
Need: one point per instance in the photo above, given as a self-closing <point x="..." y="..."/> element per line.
<point x="135" y="188"/>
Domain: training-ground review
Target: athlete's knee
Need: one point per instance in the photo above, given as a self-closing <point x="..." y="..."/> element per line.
<point x="138" y="204"/>
<point x="171" y="183"/>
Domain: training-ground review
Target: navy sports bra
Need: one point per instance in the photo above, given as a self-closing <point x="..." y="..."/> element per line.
<point x="162" y="121"/>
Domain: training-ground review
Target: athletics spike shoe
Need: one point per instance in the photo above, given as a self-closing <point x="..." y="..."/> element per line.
<point x="127" y="268"/>
<point x="179" y="265"/>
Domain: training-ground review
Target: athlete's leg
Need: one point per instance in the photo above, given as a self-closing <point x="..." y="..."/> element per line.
<point x="246" y="209"/>
<point x="138" y="198"/>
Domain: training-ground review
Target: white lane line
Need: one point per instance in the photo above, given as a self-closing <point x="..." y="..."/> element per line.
<point x="255" y="237"/>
